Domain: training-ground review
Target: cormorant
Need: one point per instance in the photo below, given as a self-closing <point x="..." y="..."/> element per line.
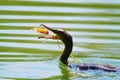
<point x="66" y="38"/>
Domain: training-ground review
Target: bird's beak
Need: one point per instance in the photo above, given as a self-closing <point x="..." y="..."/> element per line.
<point x="51" y="29"/>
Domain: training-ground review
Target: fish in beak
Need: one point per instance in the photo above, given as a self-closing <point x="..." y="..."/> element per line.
<point x="59" y="34"/>
<point x="55" y="31"/>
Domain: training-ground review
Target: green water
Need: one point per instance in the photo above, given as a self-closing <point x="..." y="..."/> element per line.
<point x="94" y="25"/>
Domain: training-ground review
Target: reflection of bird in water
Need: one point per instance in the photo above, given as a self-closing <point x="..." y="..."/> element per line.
<point x="66" y="38"/>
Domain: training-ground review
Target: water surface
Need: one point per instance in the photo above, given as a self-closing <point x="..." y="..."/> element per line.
<point x="94" y="25"/>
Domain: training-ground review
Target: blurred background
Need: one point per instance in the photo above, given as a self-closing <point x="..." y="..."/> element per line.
<point x="94" y="25"/>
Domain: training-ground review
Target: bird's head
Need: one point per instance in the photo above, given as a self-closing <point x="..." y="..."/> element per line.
<point x="60" y="34"/>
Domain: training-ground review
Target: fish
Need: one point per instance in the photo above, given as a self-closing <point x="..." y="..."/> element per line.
<point x="41" y="30"/>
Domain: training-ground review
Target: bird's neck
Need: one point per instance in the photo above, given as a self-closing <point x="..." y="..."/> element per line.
<point x="67" y="50"/>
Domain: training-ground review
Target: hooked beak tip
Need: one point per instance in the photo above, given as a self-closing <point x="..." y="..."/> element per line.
<point x="51" y="29"/>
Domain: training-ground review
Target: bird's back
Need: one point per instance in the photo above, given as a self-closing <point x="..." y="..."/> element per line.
<point x="86" y="66"/>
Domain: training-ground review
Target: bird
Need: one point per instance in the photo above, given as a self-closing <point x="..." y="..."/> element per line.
<point x="67" y="39"/>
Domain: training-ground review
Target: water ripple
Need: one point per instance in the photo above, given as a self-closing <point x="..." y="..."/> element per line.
<point x="94" y="26"/>
<point x="49" y="9"/>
